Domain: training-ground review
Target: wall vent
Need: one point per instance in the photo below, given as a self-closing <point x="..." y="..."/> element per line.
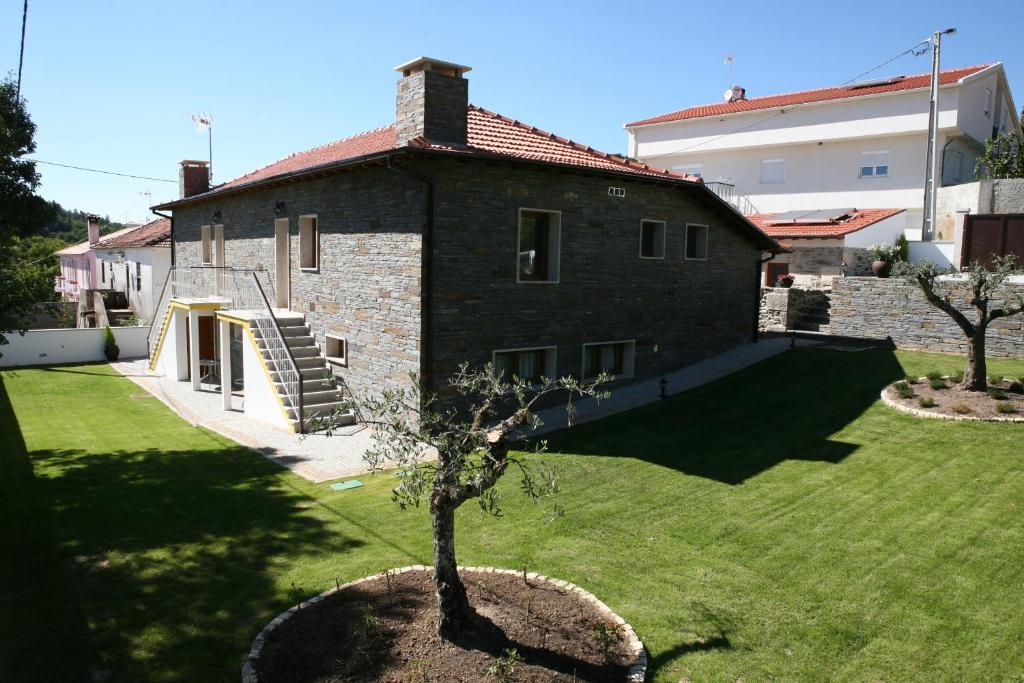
<point x="616" y="192"/>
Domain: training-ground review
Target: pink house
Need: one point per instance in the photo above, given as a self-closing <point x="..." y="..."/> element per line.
<point x="78" y="263"/>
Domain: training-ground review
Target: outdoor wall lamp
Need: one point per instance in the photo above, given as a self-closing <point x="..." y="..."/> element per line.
<point x="279" y="209"/>
<point x="216" y="216"/>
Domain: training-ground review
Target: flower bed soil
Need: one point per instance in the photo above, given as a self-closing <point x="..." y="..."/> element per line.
<point x="383" y="629"/>
<point x="973" y="405"/>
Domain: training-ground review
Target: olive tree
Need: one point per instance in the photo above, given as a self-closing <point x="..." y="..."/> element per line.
<point x="452" y="451"/>
<point x="986" y="293"/>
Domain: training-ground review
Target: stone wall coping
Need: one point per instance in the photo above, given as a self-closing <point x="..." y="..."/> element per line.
<point x="637" y="670"/>
<point x="939" y="416"/>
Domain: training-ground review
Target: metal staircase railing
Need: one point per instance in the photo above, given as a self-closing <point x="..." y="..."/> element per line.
<point x="727" y="191"/>
<point x="280" y="354"/>
<point x="156" y="325"/>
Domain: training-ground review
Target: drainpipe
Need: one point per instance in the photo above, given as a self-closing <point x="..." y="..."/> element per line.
<point x="427" y="280"/>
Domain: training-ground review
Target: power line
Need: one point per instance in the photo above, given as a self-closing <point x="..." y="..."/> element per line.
<point x="96" y="170"/>
<point x="911" y="50"/>
<point x="21" y="54"/>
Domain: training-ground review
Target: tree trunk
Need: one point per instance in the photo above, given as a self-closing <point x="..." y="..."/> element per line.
<point x="976" y="372"/>
<point x="452" y="604"/>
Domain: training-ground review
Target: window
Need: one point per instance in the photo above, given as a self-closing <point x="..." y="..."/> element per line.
<point x="218" y="244"/>
<point x="103" y="271"/>
<point x="773" y="170"/>
<point x="696" y="242"/>
<point x="615" y="358"/>
<point x="652" y="239"/>
<point x="874" y="164"/>
<point x="617" y="192"/>
<point x="539" y="236"/>
<point x="207" y="246"/>
<point x="336" y="349"/>
<point x="309" y="243"/>
<point x="690" y="169"/>
<point x="138" y="276"/>
<point x="527" y="364"/>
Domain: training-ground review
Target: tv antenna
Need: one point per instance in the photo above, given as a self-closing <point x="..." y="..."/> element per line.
<point x="729" y="59"/>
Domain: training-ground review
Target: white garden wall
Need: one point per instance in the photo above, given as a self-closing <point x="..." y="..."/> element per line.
<point x="50" y="347"/>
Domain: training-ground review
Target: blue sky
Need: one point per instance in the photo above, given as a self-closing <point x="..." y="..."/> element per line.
<point x="109" y="84"/>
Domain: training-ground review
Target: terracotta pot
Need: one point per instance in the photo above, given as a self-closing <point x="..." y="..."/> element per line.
<point x="881" y="268"/>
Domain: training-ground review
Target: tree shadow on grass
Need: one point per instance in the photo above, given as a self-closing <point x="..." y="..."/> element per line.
<point x="785" y="408"/>
<point x="151" y="564"/>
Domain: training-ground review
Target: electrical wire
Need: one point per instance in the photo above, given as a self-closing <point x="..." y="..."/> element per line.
<point x="96" y="170"/>
<point x="911" y="50"/>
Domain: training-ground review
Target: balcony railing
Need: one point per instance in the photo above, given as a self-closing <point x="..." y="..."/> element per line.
<point x="727" y="191"/>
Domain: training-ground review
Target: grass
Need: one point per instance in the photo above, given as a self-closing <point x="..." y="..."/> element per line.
<point x="815" y="536"/>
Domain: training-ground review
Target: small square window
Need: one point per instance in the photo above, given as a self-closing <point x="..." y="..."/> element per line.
<point x="652" y="239"/>
<point x="527" y="364"/>
<point x="336" y="350"/>
<point x="207" y="247"/>
<point x="309" y="243"/>
<point x="696" y="242"/>
<point x="538" y="253"/>
<point x="874" y="164"/>
<point x="773" y="171"/>
<point x="614" y="358"/>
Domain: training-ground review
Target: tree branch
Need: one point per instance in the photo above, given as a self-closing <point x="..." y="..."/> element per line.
<point x="928" y="287"/>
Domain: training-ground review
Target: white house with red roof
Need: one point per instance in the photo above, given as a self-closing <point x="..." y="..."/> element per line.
<point x="860" y="145"/>
<point x="136" y="263"/>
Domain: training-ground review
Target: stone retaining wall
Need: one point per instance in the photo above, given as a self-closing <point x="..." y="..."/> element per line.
<point x="782" y="308"/>
<point x="877" y="308"/>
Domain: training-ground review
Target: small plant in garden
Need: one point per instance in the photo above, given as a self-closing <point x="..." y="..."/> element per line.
<point x="995" y="379"/>
<point x="926" y="402"/>
<point x="911" y="380"/>
<point x="957" y="377"/>
<point x="996" y="393"/>
<point x="934" y="374"/>
<point x="1016" y="387"/>
<point x="371" y="622"/>
<point x="904" y="390"/>
<point x="937" y="384"/>
<point x="1006" y="408"/>
<point x="607" y="635"/>
<point x="505" y="666"/>
<point x="960" y="407"/>
<point x="110" y="347"/>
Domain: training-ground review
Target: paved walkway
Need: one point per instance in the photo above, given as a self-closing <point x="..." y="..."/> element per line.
<point x="315" y="457"/>
<point x="649" y="391"/>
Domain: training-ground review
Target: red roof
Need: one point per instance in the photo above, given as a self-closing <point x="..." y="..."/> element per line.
<point x="487" y="133"/>
<point x="895" y="84"/>
<point x="857" y="220"/>
<point x="153" y="234"/>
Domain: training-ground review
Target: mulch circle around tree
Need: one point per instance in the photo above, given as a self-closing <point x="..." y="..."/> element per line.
<point x="953" y="403"/>
<point x="384" y="629"/>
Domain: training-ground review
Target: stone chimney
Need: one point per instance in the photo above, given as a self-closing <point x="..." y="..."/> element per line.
<point x="94" y="228"/>
<point x="193" y="177"/>
<point x="432" y="101"/>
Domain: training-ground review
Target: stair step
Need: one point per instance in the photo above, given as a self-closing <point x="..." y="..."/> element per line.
<point x="321" y="409"/>
<point x="297" y="351"/>
<point x="312" y="398"/>
<point x="344" y="419"/>
<point x="308" y="374"/>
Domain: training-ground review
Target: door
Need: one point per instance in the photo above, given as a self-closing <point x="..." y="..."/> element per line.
<point x="991" y="235"/>
<point x="282" y="276"/>
<point x="773" y="271"/>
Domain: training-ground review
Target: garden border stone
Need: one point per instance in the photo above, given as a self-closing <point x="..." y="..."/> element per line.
<point x="637" y="669"/>
<point x="939" y="416"/>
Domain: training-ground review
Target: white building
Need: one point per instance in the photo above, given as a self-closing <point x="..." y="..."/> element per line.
<point x="136" y="262"/>
<point x="858" y="146"/>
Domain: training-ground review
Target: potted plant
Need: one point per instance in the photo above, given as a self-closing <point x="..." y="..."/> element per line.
<point x="785" y="280"/>
<point x="885" y="255"/>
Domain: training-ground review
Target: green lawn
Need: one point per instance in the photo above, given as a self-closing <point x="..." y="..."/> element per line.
<point x="780" y="524"/>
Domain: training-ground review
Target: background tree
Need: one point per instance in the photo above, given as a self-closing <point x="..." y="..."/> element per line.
<point x="1003" y="158"/>
<point x="22" y="212"/>
<point x="450" y="455"/>
<point x="985" y="292"/>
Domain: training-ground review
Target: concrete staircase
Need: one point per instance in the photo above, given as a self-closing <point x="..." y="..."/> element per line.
<point x="321" y="393"/>
<point x="816" y="317"/>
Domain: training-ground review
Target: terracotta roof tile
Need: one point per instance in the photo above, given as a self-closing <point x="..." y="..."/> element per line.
<point x="897" y="84"/>
<point x="153" y="234"/>
<point x="858" y="220"/>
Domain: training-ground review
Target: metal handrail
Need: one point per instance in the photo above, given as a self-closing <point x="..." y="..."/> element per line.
<point x="291" y="358"/>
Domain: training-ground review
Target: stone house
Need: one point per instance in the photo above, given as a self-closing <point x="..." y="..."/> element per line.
<point x="453" y="235"/>
<point x="822" y="244"/>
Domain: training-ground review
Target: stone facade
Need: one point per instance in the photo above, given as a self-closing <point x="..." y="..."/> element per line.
<point x="432" y="105"/>
<point x="783" y="307"/>
<point x="815" y="263"/>
<point x="877" y="308"/>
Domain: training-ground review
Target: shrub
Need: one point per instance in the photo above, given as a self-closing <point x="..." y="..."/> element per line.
<point x="937" y="383"/>
<point x="960" y="407"/>
<point x="934" y="374"/>
<point x="110" y="348"/>
<point x="904" y="390"/>
<point x="995" y="379"/>
<point x="996" y="393"/>
<point x="957" y="377"/>
<point x="1017" y="387"/>
<point x="911" y="380"/>
<point x="1006" y="408"/>
<point x="926" y="402"/>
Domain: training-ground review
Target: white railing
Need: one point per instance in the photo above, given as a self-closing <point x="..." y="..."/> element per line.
<point x="727" y="191"/>
<point x="157" y="323"/>
<point x="237" y="290"/>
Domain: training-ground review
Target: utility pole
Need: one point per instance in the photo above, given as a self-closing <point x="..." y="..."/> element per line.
<point x="931" y="170"/>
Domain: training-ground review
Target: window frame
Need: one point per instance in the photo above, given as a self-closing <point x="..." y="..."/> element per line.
<point x="874" y="167"/>
<point x="707" y="242"/>
<point x="341" y="360"/>
<point x="303" y="222"/>
<point x="785" y="165"/>
<point x="557" y="244"/>
<point x="550" y="356"/>
<point x="138" y="276"/>
<point x="206" y="245"/>
<point x="664" y="233"/>
<point x="628" y="358"/>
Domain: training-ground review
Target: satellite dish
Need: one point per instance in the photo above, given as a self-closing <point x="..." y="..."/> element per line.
<point x="728" y="95"/>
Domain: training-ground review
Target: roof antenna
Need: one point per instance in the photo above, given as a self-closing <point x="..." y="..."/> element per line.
<point x="729" y="59"/>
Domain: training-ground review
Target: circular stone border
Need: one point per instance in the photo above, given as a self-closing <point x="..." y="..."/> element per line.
<point x="637" y="670"/>
<point x="939" y="416"/>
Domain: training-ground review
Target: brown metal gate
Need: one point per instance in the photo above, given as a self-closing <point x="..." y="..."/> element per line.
<point x="990" y="235"/>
